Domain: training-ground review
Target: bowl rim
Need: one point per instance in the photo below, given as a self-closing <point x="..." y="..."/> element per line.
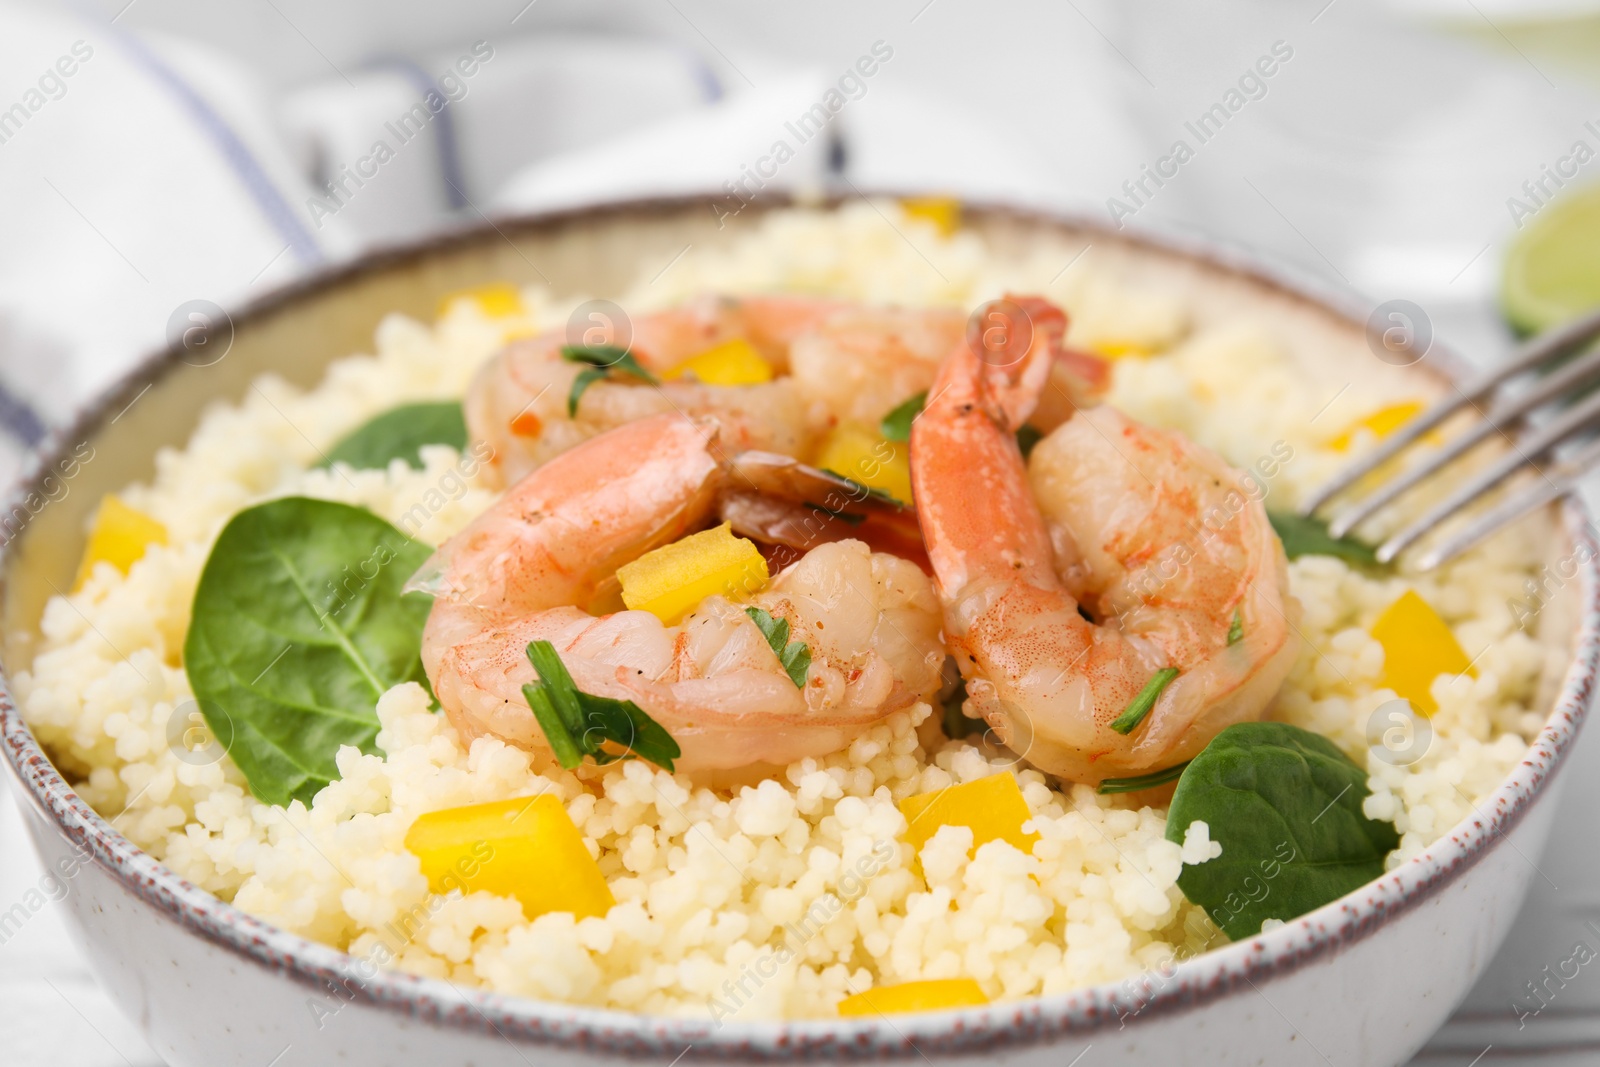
<point x="1072" y="1015"/>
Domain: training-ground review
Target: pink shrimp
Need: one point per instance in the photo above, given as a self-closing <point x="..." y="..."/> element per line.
<point x="532" y="567"/>
<point x="1153" y="536"/>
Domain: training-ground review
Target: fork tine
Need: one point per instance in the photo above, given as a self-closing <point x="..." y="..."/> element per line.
<point x="1499" y="417"/>
<point x="1540" y="350"/>
<point x="1524" y="453"/>
<point x="1514" y="507"/>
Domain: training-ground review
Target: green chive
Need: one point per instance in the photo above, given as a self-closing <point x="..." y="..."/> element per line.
<point x="1236" y="631"/>
<point x="1141" y="704"/>
<point x="896" y="426"/>
<point x="1143" y="781"/>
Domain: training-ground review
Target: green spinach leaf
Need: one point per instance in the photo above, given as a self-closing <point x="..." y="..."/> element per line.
<point x="1303" y="535"/>
<point x="400" y="433"/>
<point x="299" y="625"/>
<point x="896" y="426"/>
<point x="1285" y="804"/>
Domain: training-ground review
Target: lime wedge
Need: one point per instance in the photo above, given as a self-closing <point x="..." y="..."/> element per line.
<point x="1552" y="272"/>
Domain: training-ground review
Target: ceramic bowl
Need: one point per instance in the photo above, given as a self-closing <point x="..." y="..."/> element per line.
<point x="1364" y="980"/>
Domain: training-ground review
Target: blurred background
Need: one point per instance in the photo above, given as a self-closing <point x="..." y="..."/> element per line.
<point x="159" y="152"/>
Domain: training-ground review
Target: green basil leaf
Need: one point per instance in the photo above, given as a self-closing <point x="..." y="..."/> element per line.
<point x="1303" y="535"/>
<point x="1285" y="804"/>
<point x="794" y="656"/>
<point x="896" y="426"/>
<point x="400" y="433"/>
<point x="1236" y="628"/>
<point x="299" y="625"/>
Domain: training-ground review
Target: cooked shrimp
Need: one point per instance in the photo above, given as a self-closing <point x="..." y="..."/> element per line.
<point x="1151" y="535"/>
<point x="518" y="401"/>
<point x="532" y="565"/>
<point x="835" y="362"/>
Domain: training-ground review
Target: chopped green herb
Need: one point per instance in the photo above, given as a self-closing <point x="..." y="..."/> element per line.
<point x="793" y="655"/>
<point x="577" y="723"/>
<point x="896" y="426"/>
<point x="1303" y="535"/>
<point x="865" y="491"/>
<point x="1140" y="706"/>
<point x="1236" y="630"/>
<point x="843" y="516"/>
<point x="601" y="360"/>
<point x="1027" y="437"/>
<point x="1143" y="781"/>
<point x="956" y="723"/>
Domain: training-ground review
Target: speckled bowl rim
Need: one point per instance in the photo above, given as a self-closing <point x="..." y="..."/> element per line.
<point x="1056" y="1018"/>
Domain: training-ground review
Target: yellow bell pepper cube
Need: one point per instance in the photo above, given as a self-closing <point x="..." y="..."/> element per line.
<point x="498" y="301"/>
<point x="1417" y="647"/>
<point x="1113" y="349"/>
<point x="1383" y="422"/>
<point x="526" y="848"/>
<point x="938" y="994"/>
<point x="734" y="362"/>
<point x="992" y="807"/>
<point x="943" y="211"/>
<point x="865" y="457"/>
<point x="672" y="580"/>
<point x="120" y="536"/>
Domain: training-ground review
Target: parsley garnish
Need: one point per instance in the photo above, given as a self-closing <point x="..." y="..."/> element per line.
<point x="1140" y="706"/>
<point x="1143" y="781"/>
<point x="1236" y="631"/>
<point x="1027" y="437"/>
<point x="577" y="723"/>
<point x="866" y="492"/>
<point x="794" y="656"/>
<point x="956" y="724"/>
<point x="601" y="360"/>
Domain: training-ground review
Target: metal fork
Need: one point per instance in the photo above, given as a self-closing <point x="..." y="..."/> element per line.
<point x="1535" y="422"/>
